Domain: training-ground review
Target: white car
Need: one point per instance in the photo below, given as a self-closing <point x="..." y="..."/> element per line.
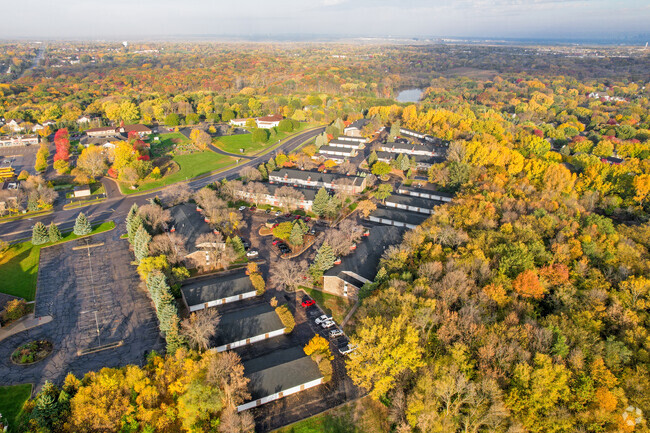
<point x="241" y="208"/>
<point x="252" y="253"/>
<point x="336" y="333"/>
<point x="322" y="319"/>
<point x="347" y="349"/>
<point x="328" y="324"/>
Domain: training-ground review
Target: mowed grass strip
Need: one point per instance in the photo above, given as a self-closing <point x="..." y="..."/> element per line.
<point x="233" y="143"/>
<point x="333" y="305"/>
<point x="19" y="264"/>
<point x="12" y="399"/>
<point x="191" y="165"/>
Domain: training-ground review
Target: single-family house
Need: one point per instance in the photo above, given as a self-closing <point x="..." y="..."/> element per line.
<point x="239" y="122"/>
<point x="268" y="122"/>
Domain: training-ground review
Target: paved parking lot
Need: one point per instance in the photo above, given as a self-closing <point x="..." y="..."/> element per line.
<point x="311" y="401"/>
<point x="92" y="292"/>
<point x="19" y="157"/>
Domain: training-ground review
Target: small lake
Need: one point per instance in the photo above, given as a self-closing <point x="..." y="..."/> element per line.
<point x="409" y="95"/>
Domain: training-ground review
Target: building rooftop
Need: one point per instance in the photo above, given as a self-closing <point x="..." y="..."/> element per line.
<point x="409" y="200"/>
<point x="271" y="118"/>
<point x="314" y="176"/>
<point x="409" y="146"/>
<point x="246" y="323"/>
<point x="334" y="149"/>
<point x="279" y="371"/>
<point x="217" y="287"/>
<point x="364" y="260"/>
<point x="358" y="124"/>
<point x="135" y="128"/>
<point x="399" y="215"/>
<point x="189" y="223"/>
<point x="425" y="187"/>
<point x="308" y="193"/>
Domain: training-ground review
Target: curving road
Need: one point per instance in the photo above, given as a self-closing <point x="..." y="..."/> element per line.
<point x="117" y="206"/>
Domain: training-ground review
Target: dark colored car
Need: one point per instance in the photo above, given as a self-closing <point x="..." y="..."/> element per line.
<point x="268" y="210"/>
<point x="307" y="302"/>
<point x="287" y="215"/>
<point x="297" y="217"/>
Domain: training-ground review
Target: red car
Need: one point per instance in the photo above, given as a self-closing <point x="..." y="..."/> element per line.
<point x="307" y="219"/>
<point x="297" y="217"/>
<point x="275" y="225"/>
<point x="275" y="242"/>
<point x="308" y="303"/>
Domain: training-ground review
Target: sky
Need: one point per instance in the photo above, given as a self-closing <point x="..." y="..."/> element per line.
<point x="118" y="19"/>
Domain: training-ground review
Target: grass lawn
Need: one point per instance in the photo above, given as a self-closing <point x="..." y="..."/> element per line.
<point x="12" y="399"/>
<point x="191" y="165"/>
<point x="232" y="143"/>
<point x="19" y="265"/>
<point x="343" y="419"/>
<point x="166" y="143"/>
<point x="335" y="306"/>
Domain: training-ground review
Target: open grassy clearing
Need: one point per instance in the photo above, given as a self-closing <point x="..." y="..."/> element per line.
<point x="12" y="399"/>
<point x="19" y="264"/>
<point x="233" y="143"/>
<point x="335" y="306"/>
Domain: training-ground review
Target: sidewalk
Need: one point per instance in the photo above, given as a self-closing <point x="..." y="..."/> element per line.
<point x="23" y="324"/>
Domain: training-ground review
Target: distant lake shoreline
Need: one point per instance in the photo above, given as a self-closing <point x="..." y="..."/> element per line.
<point x="409" y="95"/>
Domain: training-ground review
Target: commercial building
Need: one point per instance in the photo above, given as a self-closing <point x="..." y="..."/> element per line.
<point x="216" y="290"/>
<point x="279" y="374"/>
<point x="18" y="140"/>
<point x="247" y="326"/>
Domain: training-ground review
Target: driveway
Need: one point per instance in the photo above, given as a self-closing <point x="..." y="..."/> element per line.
<point x="101" y="316"/>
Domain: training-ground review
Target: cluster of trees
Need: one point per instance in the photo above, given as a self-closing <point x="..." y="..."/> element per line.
<point x="521" y="306"/>
<point x="42" y="234"/>
<point x="62" y="154"/>
<point x="184" y="391"/>
<point x="257" y="280"/>
<point x="318" y="349"/>
<point x="338" y="242"/>
<point x="34" y="194"/>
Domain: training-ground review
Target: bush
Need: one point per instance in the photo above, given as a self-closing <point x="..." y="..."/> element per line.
<point x="258" y="283"/>
<point x="15" y="309"/>
<point x="260" y="135"/>
<point x="286" y="318"/>
<point x="172" y="120"/>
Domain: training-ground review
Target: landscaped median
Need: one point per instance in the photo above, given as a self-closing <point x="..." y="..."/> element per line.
<point x="19" y="263"/>
<point x="25" y="215"/>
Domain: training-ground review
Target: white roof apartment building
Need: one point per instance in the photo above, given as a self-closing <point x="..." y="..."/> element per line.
<point x="316" y="179"/>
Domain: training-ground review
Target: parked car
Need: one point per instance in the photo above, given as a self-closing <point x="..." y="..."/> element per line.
<point x="335" y="333"/>
<point x="307" y="219"/>
<point x="252" y="209"/>
<point x="337" y="261"/>
<point x="312" y="231"/>
<point x="275" y="225"/>
<point x="276" y="241"/>
<point x="322" y="319"/>
<point x="366" y="233"/>
<point x="344" y="350"/>
<point x="278" y="213"/>
<point x="268" y="210"/>
<point x="287" y="215"/>
<point x="328" y="324"/>
<point x="296" y="217"/>
<point x="241" y="208"/>
<point x="252" y="253"/>
<point x="307" y="302"/>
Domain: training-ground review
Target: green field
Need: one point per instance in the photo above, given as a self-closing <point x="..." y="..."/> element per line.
<point x="19" y="265"/>
<point x="166" y="143"/>
<point x="232" y="143"/>
<point x="191" y="165"/>
<point x="12" y="399"/>
<point x="335" y="306"/>
<point x="320" y="424"/>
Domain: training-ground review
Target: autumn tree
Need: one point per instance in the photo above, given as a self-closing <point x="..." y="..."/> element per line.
<point x="200" y="327"/>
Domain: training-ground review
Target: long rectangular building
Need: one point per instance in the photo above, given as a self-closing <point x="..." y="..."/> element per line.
<point x="337" y="153"/>
<point x="279" y="374"/>
<point x="412" y="204"/>
<point x="409" y="149"/>
<point x="304" y="200"/>
<point x="316" y="179"/>
<point x="397" y="218"/>
<point x="247" y="326"/>
<point x="18" y="140"/>
<point x="428" y="191"/>
<point x="348" y="144"/>
<point x="217" y="290"/>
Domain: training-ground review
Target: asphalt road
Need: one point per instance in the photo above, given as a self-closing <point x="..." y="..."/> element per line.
<point x="117" y="206"/>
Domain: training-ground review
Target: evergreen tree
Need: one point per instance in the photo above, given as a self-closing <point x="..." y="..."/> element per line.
<point x="372" y="158"/>
<point x="296" y="236"/>
<point x="82" y="225"/>
<point x="141" y="241"/>
<point x="394" y="130"/>
<point x="54" y="233"/>
<point x="325" y="258"/>
<point x="131" y="218"/>
<point x="320" y="201"/>
<point x="47" y="410"/>
<point x="39" y="234"/>
<point x="238" y="245"/>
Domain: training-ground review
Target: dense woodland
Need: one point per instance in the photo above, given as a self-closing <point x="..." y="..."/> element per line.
<point x="522" y="306"/>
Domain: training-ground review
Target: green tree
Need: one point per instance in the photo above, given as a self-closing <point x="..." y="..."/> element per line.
<point x="383" y="191"/>
<point x="260" y="135"/>
<point x="141" y="241"/>
<point x="285" y="125"/>
<point x="39" y="234"/>
<point x="133" y="221"/>
<point x="380" y="168"/>
<point x="372" y="158"/>
<point x="320" y="202"/>
<point x="172" y="119"/>
<point x="54" y="233"/>
<point x="296" y="236"/>
<point x="283" y="230"/>
<point x="324" y="260"/>
<point x="82" y="225"/>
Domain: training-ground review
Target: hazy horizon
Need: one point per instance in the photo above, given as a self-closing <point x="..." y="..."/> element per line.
<point x="286" y="19"/>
